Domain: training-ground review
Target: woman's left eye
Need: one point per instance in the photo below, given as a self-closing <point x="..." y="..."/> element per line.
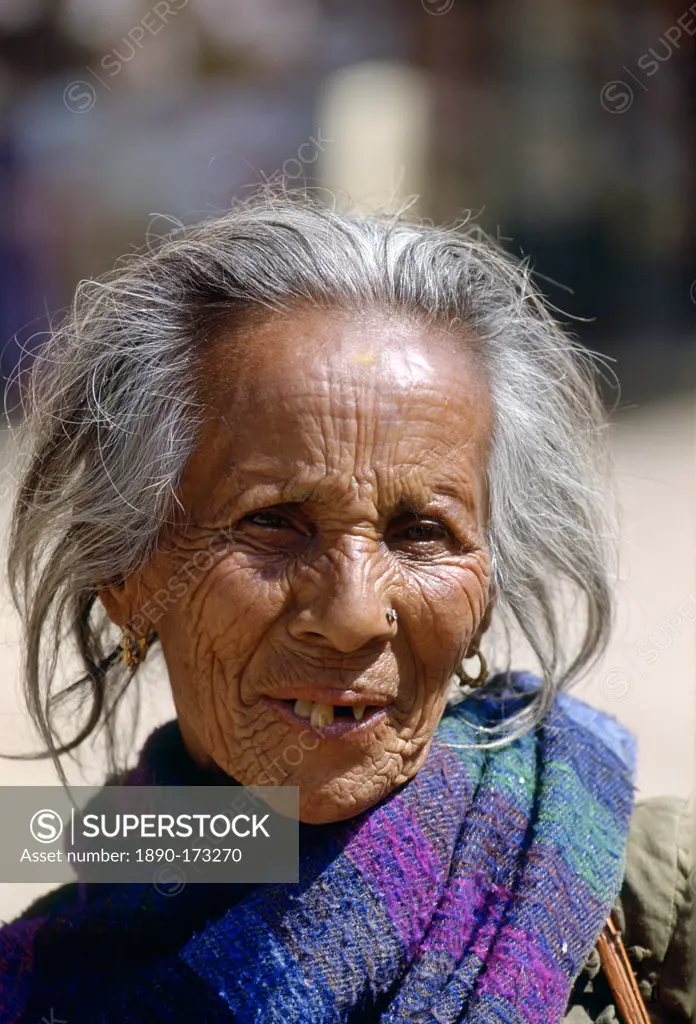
<point x="269" y="520"/>
<point x="424" y="532"/>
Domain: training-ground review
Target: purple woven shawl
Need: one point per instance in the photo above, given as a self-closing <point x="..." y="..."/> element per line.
<point x="473" y="893"/>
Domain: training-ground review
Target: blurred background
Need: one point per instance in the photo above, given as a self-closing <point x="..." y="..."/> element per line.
<point x="565" y="126"/>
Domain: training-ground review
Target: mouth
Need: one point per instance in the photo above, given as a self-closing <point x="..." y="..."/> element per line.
<point x="329" y="719"/>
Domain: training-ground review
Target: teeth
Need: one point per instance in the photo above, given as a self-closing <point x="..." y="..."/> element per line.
<point x="303" y="708"/>
<point x="322" y="714"/>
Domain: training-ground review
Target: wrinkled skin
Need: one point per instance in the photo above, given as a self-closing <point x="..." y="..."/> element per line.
<point x="340" y="472"/>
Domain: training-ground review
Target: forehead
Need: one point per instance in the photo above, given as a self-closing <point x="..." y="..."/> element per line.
<point x="330" y="393"/>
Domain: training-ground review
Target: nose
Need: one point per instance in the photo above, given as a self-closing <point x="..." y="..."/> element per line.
<point x="342" y="598"/>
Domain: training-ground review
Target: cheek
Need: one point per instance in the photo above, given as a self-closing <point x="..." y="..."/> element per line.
<point x="208" y="639"/>
<point x="443" y="609"/>
<point x="230" y="610"/>
<point x="212" y="630"/>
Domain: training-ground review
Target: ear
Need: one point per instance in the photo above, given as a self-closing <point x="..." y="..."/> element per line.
<point x="485" y="622"/>
<point x="125" y="605"/>
<point x="116" y="604"/>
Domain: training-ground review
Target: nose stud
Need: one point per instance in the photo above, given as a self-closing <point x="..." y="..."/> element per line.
<point x="391" y="615"/>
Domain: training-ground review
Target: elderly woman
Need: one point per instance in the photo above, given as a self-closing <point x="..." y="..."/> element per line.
<point x="312" y="456"/>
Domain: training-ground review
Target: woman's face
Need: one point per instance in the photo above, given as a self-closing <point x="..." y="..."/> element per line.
<point x="339" y="474"/>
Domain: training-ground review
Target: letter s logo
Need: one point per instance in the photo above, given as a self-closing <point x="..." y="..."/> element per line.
<point x="46" y="826"/>
<point x="79" y="96"/>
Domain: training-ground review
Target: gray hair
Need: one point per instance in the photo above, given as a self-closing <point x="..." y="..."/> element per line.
<point x="113" y="411"/>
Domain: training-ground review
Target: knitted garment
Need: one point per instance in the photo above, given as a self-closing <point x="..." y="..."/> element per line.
<point x="474" y="892"/>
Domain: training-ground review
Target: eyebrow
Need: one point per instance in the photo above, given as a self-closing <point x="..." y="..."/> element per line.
<point x="413" y="502"/>
<point x="411" y="506"/>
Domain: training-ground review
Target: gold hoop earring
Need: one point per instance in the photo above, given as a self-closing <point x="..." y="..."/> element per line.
<point x="478" y="680"/>
<point x="134" y="651"/>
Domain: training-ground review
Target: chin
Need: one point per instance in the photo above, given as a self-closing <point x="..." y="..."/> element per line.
<point x="336" y="801"/>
